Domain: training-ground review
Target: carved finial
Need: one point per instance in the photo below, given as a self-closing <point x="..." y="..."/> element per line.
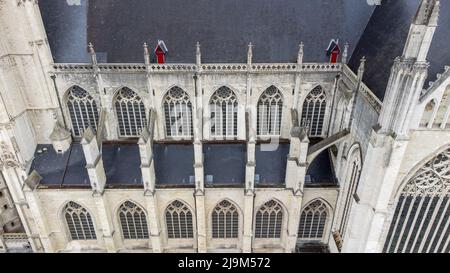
<point x="428" y="13"/>
<point x="300" y="53"/>
<point x="250" y="53"/>
<point x="198" y="54"/>
<point x="361" y="67"/>
<point x="91" y="48"/>
<point x="92" y="52"/>
<point x="434" y="17"/>
<point x="146" y="54"/>
<point x="345" y="54"/>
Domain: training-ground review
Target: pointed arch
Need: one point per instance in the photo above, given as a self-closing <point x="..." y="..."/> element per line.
<point x="130" y="112"/>
<point x="313" y="220"/>
<point x="82" y="109"/>
<point x="78" y="222"/>
<point x="421" y="218"/>
<point x="313" y="111"/>
<point x="179" y="222"/>
<point x="225" y="220"/>
<point x="223" y="106"/>
<point x="270" y="106"/>
<point x="178" y="113"/>
<point x="133" y="221"/>
<point x="269" y="220"/>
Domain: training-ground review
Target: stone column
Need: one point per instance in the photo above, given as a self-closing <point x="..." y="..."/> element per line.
<point x="200" y="196"/>
<point x="295" y="176"/>
<point x="199" y="193"/>
<point x="97" y="178"/>
<point x="154" y="224"/>
<point x="145" y="144"/>
<point x="294" y="207"/>
<point x="35" y="207"/>
<point x="104" y="217"/>
<point x="249" y="185"/>
<point x="148" y="177"/>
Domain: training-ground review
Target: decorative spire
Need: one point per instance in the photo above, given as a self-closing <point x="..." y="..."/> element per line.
<point x="146" y="54"/>
<point x="433" y="21"/>
<point x="198" y="54"/>
<point x="92" y="52"/>
<point x="91" y="48"/>
<point x="361" y="67"/>
<point x="250" y="54"/>
<point x="428" y="13"/>
<point x="345" y="54"/>
<point x="300" y="53"/>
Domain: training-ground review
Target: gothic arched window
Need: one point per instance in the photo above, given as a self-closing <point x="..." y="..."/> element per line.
<point x="178" y="113"/>
<point x="225" y="220"/>
<point x="312" y="221"/>
<point x="350" y="188"/>
<point x="130" y="112"/>
<point x="421" y="218"/>
<point x="82" y="109"/>
<point x="79" y="222"/>
<point x="224" y="109"/>
<point x="313" y="111"/>
<point x="270" y="106"/>
<point x="269" y="220"/>
<point x="133" y="221"/>
<point x="179" y="220"/>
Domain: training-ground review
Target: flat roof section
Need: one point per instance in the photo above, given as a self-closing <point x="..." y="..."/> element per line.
<point x="68" y="169"/>
<point x="122" y="164"/>
<point x="271" y="162"/>
<point x="224" y="163"/>
<point x="174" y="164"/>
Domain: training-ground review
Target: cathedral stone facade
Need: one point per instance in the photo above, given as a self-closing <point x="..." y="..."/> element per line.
<point x="221" y="157"/>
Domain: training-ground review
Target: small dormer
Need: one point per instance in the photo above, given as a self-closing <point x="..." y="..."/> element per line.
<point x="333" y="50"/>
<point x="160" y="52"/>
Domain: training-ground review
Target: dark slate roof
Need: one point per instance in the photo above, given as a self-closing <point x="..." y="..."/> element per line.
<point x="174" y="164"/>
<point x="225" y="163"/>
<point x="224" y="28"/>
<point x="320" y="171"/>
<point x="271" y="163"/>
<point x="122" y="164"/>
<point x="385" y="36"/>
<point x="66" y="30"/>
<point x="66" y="169"/>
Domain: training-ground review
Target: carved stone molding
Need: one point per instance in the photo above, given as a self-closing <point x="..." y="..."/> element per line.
<point x="433" y="178"/>
<point x="7" y="157"/>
